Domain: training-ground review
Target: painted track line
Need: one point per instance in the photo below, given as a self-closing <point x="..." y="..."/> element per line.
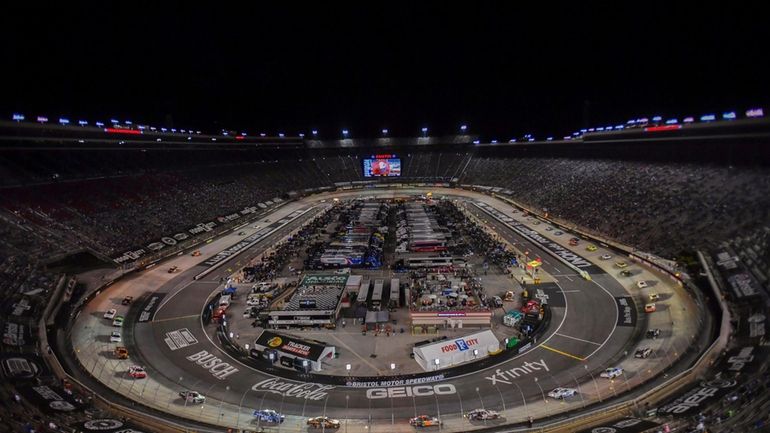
<point x="578" y="339"/>
<point x="569" y="355"/>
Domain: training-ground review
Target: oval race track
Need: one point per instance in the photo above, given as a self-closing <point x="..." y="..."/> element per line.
<point x="583" y="338"/>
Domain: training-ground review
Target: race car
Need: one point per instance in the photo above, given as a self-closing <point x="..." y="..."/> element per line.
<point x="621" y="264"/>
<point x="558" y="232"/>
<point x="110" y="314"/>
<point x="641" y="284"/>
<point x="653" y="333"/>
<point x="115" y="337"/>
<point x="424" y="421"/>
<point x="644" y="352"/>
<point x="121" y="352"/>
<point x="137" y="372"/>
<point x="654" y="297"/>
<point x="127" y="300"/>
<point x="625" y="273"/>
<point x="612" y="372"/>
<point x="196" y="253"/>
<point x="192" y="397"/>
<point x="650" y="308"/>
<point x="606" y="257"/>
<point x="268" y="415"/>
<point x="118" y="321"/>
<point x="173" y="269"/>
<point x="482" y="414"/>
<point x="323" y="422"/>
<point x="591" y="248"/>
<point x="562" y="393"/>
<point x="548" y="229"/>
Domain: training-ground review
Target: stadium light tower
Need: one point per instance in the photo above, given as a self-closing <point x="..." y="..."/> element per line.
<point x="345" y="133"/>
<point x="424" y="131"/>
<point x="315" y="132"/>
<point x="463" y="128"/>
<point x="18" y="117"/>
<point x="385" y="131"/>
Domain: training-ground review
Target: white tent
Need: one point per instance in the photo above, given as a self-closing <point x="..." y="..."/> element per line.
<point x="456" y="351"/>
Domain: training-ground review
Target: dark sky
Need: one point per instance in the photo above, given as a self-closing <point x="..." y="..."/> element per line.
<point x="503" y="71"/>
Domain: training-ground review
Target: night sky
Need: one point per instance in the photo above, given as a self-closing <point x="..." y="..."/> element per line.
<point x="504" y="72"/>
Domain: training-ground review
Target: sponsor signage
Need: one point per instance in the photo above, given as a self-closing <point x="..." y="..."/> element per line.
<point x="21" y="308"/>
<point x="107" y="425"/>
<point x="411" y="391"/>
<point x="50" y="399"/>
<point x="150" y="307"/>
<point x="395" y="382"/>
<point x="21" y="366"/>
<point x="626" y="311"/>
<point x="290" y="345"/>
<point x="694" y="400"/>
<point x="624" y="425"/>
<point x="171" y="240"/>
<point x="461" y="345"/>
<point x="252" y="239"/>
<point x="558" y="250"/>
<point x="216" y="366"/>
<point x="15" y="334"/>
<point x="284" y="388"/>
<point x="508" y="376"/>
<point x="179" y="339"/>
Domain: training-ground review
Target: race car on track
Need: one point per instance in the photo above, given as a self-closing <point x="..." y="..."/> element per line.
<point x="137" y="372"/>
<point x="591" y="248"/>
<point x="654" y="297"/>
<point x="562" y="393"/>
<point x="612" y="372"/>
<point x="192" y="397"/>
<point x="173" y="269"/>
<point x="641" y="284"/>
<point x="323" y="422"/>
<point x="424" y="421"/>
<point x="115" y="337"/>
<point x="606" y="257"/>
<point x="118" y="321"/>
<point x="650" y="308"/>
<point x="110" y="314"/>
<point x="268" y="415"/>
<point x="127" y="300"/>
<point x="482" y="414"/>
<point x="625" y="273"/>
<point x="548" y="229"/>
<point x="121" y="352"/>
<point x="196" y="253"/>
<point x="558" y="232"/>
<point x="644" y="352"/>
<point x="653" y="333"/>
<point x="621" y="265"/>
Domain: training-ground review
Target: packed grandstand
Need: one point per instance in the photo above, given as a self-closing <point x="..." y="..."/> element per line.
<point x="127" y="204"/>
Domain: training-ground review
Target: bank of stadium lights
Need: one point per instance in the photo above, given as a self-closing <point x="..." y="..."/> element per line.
<point x="494" y="141"/>
<point x="476" y="141"/>
<point x="755" y="112"/>
<point x="729" y="115"/>
<point x="708" y="118"/>
<point x="281" y="134"/>
<point x="672" y="121"/>
<point x="345" y="132"/>
<point x="424" y="131"/>
<point x="82" y="122"/>
<point x="163" y="129"/>
<point x="99" y="124"/>
<point x="262" y="134"/>
<point x="314" y="132"/>
<point x="384" y="131"/>
<point x="114" y="121"/>
<point x="512" y="140"/>
<point x="463" y="128"/>
<point x="549" y="139"/>
<point x="688" y="119"/>
<point x="63" y="121"/>
<point x="18" y="117"/>
<point x="301" y="135"/>
<point x="657" y="119"/>
<point x="42" y="119"/>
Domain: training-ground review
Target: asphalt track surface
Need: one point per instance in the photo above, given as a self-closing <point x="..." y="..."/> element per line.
<point x="583" y="339"/>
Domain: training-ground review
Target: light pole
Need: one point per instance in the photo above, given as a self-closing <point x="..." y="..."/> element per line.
<point x="580" y="390"/>
<point x="436" y="361"/>
<point x="543" y="394"/>
<point x="526" y="409"/>
<point x="221" y="402"/>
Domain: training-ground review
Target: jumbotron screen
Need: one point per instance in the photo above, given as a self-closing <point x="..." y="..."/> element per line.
<point x="382" y="165"/>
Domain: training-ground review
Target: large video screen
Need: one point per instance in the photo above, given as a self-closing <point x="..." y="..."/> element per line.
<point x="378" y="166"/>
